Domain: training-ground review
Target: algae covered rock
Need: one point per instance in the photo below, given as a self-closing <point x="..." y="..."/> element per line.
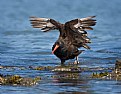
<point x="99" y="75"/>
<point x="60" y="73"/>
<point x="18" y="80"/>
<point x="41" y="68"/>
<point x="118" y="64"/>
<point x="115" y="74"/>
<point x="69" y="68"/>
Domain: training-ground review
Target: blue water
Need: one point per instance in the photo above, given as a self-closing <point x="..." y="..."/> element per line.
<point x="21" y="45"/>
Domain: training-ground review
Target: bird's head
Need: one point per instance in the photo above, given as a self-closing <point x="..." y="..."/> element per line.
<point x="57" y="45"/>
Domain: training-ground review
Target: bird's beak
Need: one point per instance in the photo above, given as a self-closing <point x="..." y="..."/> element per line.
<point x="55" y="48"/>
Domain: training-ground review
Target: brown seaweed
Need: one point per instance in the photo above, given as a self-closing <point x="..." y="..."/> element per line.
<point x="18" y="80"/>
<point x="65" y="72"/>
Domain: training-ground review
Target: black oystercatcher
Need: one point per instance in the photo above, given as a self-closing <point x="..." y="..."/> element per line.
<point x="72" y="35"/>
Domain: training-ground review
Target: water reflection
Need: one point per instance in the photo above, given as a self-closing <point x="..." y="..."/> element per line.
<point x="65" y="79"/>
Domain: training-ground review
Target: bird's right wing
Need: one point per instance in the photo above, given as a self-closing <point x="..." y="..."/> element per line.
<point x="45" y="24"/>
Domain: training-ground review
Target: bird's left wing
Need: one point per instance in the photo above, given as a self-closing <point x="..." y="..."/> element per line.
<point x="81" y="25"/>
<point x="45" y="24"/>
<point x="78" y="28"/>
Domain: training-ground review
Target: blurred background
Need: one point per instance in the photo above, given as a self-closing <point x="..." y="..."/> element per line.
<point x="21" y="45"/>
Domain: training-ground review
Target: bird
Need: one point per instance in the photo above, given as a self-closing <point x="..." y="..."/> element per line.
<point x="73" y="35"/>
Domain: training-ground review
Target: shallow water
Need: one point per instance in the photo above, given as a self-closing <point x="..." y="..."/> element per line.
<point x="21" y="45"/>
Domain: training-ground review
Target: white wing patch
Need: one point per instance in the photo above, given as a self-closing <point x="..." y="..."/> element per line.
<point x="43" y="23"/>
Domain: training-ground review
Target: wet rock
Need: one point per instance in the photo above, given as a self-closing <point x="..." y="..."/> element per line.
<point x="115" y="74"/>
<point x="13" y="67"/>
<point x="1" y="67"/>
<point x="66" y="76"/>
<point x="118" y="64"/>
<point x="99" y="75"/>
<point x="18" y="80"/>
<point x="1" y="80"/>
<point x="69" y="68"/>
<point x="44" y="68"/>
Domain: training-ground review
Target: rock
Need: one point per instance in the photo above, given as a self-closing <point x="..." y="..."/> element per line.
<point x="99" y="75"/>
<point x="115" y="74"/>
<point x="18" y="80"/>
<point x="118" y="64"/>
<point x="42" y="68"/>
<point x="67" y="69"/>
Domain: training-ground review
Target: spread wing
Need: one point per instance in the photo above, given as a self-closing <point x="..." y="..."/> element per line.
<point x="83" y="24"/>
<point x="78" y="27"/>
<point x="45" y="24"/>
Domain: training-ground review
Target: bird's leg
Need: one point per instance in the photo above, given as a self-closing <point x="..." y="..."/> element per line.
<point x="62" y="62"/>
<point x="76" y="61"/>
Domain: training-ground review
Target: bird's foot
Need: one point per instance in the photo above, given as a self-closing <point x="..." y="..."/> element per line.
<point x="76" y="62"/>
<point x="62" y="62"/>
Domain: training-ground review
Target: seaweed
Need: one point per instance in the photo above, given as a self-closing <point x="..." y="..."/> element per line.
<point x="18" y="80"/>
<point x="115" y="74"/>
<point x="61" y="72"/>
<point x="99" y="75"/>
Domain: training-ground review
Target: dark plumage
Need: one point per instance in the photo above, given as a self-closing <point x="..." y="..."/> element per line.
<point x="72" y="35"/>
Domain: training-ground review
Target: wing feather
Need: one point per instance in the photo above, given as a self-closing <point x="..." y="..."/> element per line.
<point x="78" y="29"/>
<point x="45" y="24"/>
<point x="82" y="24"/>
